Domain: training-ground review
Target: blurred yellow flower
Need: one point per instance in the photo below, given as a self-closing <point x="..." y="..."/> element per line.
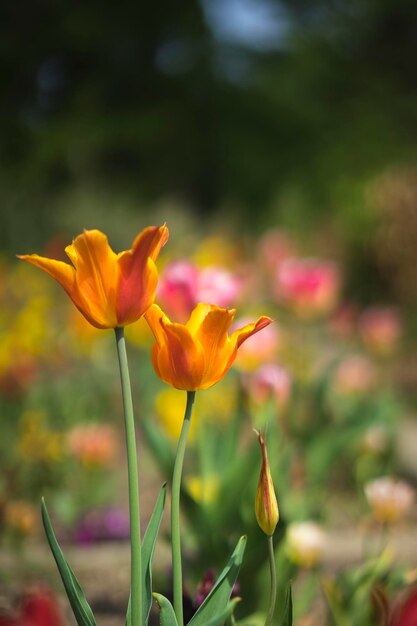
<point x="169" y="405"/>
<point x="219" y="403"/>
<point x="216" y="406"/>
<point x="203" y="490"/>
<point x="24" y="332"/>
<point x="37" y="443"/>
<point x="217" y="250"/>
<point x="139" y="334"/>
<point x="81" y="328"/>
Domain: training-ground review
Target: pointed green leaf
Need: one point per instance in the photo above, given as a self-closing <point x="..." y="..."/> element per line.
<point x="219" y="596"/>
<point x="81" y="609"/>
<point x="287" y="615"/>
<point x="337" y="610"/>
<point x="129" y="613"/>
<point x="148" y="548"/>
<point x="222" y="617"/>
<point x="167" y="615"/>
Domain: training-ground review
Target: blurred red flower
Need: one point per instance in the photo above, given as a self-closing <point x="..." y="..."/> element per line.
<point x="38" y="608"/>
<point x="406" y="613"/>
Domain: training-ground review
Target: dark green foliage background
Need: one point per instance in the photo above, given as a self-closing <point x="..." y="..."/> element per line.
<point x="140" y="100"/>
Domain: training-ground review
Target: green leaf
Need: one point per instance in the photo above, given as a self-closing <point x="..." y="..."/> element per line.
<point x="148" y="548"/>
<point x="218" y="598"/>
<point x="167" y="615"/>
<point x="287" y="615"/>
<point x="81" y="609"/>
<point x="222" y="617"/>
<point x="337" y="610"/>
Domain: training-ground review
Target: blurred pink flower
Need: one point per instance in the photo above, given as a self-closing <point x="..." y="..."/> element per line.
<point x="380" y="329"/>
<point x="102" y="524"/>
<point x="310" y="287"/>
<point x="355" y="375"/>
<point x="177" y="289"/>
<point x="274" y="248"/>
<point x="93" y="445"/>
<point x="182" y="286"/>
<point x="253" y="353"/>
<point x="218" y="286"/>
<point x="389" y="499"/>
<point x="270" y="381"/>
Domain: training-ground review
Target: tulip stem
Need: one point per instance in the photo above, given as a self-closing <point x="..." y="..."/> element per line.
<point x="175" y="510"/>
<point x="273" y="594"/>
<point x="132" y="467"/>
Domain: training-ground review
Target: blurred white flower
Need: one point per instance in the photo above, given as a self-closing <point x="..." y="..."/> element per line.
<point x="389" y="499"/>
<point x="305" y="543"/>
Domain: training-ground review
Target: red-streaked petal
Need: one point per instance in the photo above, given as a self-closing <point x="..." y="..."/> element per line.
<point x="138" y="276"/>
<point x="240" y="335"/>
<point x="150" y="241"/>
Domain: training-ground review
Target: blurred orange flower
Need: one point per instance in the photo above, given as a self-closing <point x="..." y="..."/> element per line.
<point x="20" y="516"/>
<point x="196" y="355"/>
<point x="109" y="289"/>
<point x="94" y="445"/>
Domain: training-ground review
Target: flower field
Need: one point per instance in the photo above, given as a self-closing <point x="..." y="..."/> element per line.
<point x="242" y="335"/>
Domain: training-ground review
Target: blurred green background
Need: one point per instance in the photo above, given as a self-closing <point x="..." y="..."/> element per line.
<point x="292" y="112"/>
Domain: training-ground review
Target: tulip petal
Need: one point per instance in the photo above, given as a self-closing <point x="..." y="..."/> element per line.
<point x="181" y="360"/>
<point x="154" y="316"/>
<point x="96" y="276"/>
<point x="177" y="358"/>
<point x="240" y="335"/>
<point x="197" y="317"/>
<point x="218" y="349"/>
<point x="150" y="241"/>
<point x="138" y="275"/>
<point x="63" y="273"/>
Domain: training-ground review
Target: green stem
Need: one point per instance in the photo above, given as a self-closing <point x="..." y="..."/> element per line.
<point x="132" y="467"/>
<point x="273" y="595"/>
<point x="175" y="510"/>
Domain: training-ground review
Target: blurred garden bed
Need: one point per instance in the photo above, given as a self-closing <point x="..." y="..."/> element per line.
<point x="330" y="379"/>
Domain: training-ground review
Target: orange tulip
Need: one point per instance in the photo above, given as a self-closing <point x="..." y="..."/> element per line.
<point x="196" y="355"/>
<point x="109" y="289"/>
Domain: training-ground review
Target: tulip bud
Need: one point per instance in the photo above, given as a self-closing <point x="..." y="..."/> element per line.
<point x="266" y="505"/>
